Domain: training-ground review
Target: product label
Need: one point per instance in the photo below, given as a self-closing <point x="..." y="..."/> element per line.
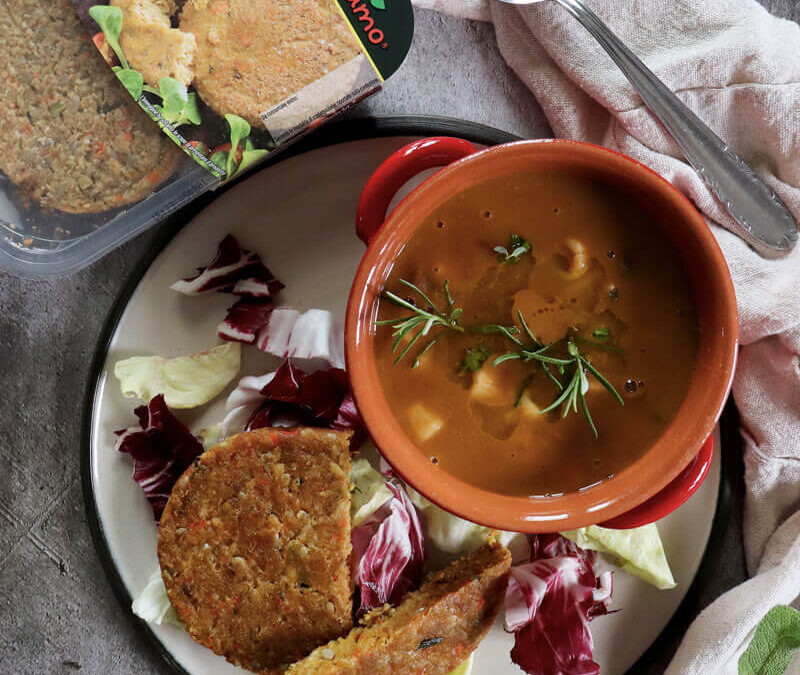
<point x="321" y="99"/>
<point x="232" y="80"/>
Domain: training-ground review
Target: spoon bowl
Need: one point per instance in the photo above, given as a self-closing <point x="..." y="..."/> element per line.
<point x="762" y="219"/>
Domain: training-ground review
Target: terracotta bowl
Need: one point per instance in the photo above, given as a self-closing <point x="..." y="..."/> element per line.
<point x="674" y="466"/>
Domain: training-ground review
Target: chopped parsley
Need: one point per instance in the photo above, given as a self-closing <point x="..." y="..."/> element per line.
<point x="474" y="358"/>
<point x="517" y="246"/>
<point x="601" y="334"/>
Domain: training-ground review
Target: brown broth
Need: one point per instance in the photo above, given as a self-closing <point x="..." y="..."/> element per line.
<point x="468" y="422"/>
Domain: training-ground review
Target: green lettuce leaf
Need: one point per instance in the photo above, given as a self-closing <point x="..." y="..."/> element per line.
<point x="638" y="551"/>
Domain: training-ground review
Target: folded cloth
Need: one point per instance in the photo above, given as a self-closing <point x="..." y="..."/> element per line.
<point x="738" y="68"/>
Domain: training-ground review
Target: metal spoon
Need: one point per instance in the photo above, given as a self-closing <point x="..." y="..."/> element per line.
<point x="764" y="220"/>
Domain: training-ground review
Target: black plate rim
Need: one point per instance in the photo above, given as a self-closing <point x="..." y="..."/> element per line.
<point x="344" y="131"/>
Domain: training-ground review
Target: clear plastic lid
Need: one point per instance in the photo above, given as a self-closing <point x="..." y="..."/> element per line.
<point x="116" y="113"/>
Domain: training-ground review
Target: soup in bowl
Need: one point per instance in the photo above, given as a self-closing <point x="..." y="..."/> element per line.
<point x="541" y="336"/>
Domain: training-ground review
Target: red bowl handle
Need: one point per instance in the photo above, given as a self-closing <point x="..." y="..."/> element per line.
<point x="400" y="167"/>
<point x="672" y="496"/>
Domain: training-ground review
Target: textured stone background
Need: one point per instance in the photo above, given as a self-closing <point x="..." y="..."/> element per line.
<point x="57" y="612"/>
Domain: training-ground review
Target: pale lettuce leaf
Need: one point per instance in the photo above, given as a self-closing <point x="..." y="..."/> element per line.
<point x="210" y="436"/>
<point x="457" y="536"/>
<point x="152" y="604"/>
<point x="369" y="491"/>
<point x="185" y="381"/>
<point x="638" y="551"/>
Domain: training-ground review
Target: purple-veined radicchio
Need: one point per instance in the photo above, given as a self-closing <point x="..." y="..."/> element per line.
<point x="233" y="269"/>
<point x="549" y="604"/>
<point x="162" y="448"/>
<point x="290" y="397"/>
<point x="311" y="336"/>
<point x="388" y="552"/>
<point x="245" y="319"/>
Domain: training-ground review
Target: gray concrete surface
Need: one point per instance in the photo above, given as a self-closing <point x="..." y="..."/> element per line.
<point x="57" y="612"/>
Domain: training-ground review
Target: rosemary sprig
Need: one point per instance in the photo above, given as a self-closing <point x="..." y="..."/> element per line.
<point x="575" y="369"/>
<point x="421" y="321"/>
<point x="532" y="350"/>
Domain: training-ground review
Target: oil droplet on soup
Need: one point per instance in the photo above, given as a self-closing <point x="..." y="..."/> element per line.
<point x="584" y="264"/>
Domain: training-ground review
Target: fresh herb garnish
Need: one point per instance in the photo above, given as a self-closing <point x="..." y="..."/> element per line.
<point x="419" y="323"/>
<point x="601" y="334"/>
<point x="574" y="369"/>
<point x="569" y="371"/>
<point x="474" y="358"/>
<point x="532" y="350"/>
<point x="495" y="329"/>
<point x="517" y="246"/>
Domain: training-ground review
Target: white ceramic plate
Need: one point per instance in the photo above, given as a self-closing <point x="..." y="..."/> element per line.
<point x="299" y="214"/>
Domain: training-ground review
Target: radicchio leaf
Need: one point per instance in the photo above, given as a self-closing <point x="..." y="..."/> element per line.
<point x="233" y="269"/>
<point x="260" y="284"/>
<point x="245" y="319"/>
<point x="290" y="397"/>
<point x="388" y="552"/>
<point x="549" y="604"/>
<point x="312" y="335"/>
<point x="243" y="403"/>
<point x="162" y="448"/>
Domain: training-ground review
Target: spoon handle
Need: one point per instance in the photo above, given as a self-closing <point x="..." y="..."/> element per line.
<point x="764" y="220"/>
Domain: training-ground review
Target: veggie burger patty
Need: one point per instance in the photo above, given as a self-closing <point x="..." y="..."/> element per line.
<point x="74" y="140"/>
<point x="253" y="54"/>
<point x="432" y="631"/>
<point x="254" y="545"/>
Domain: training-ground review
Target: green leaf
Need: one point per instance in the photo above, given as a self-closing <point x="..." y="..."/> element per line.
<point x="517" y="247"/>
<point x="638" y="551"/>
<point x="774" y="643"/>
<point x="474" y="358"/>
<point x="601" y="334"/>
<point x="219" y="159"/>
<point x="179" y="106"/>
<point x="249" y="158"/>
<point x="131" y="80"/>
<point x="378" y="4"/>
<point x="110" y="21"/>
<point x="191" y="113"/>
<point x="240" y="129"/>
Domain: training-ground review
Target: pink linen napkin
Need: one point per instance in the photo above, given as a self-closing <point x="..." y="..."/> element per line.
<point x="738" y="68"/>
